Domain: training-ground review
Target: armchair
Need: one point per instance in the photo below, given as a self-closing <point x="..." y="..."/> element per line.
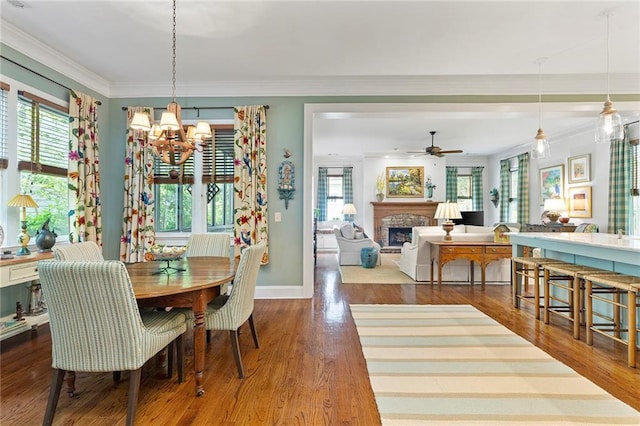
<point x="350" y="243"/>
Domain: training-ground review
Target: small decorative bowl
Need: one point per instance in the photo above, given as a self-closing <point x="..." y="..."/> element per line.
<point x="564" y="220"/>
<point x="163" y="252"/>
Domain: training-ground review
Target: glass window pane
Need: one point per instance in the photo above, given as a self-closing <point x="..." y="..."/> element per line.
<point x="334" y="209"/>
<point x="335" y="186"/>
<point x="464" y="186"/>
<point x="51" y="193"/>
<point x="166" y="208"/>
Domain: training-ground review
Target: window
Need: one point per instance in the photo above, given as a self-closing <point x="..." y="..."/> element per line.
<point x="465" y="200"/>
<point x="43" y="144"/>
<point x="207" y="174"/>
<point x="335" y="198"/>
<point x="4" y="88"/>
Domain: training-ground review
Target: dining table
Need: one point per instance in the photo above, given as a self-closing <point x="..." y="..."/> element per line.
<point x="192" y="283"/>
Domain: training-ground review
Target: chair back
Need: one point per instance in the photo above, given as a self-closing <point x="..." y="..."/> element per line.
<point x="239" y="306"/>
<point x="93" y="325"/>
<point x="87" y="250"/>
<point x="208" y="245"/>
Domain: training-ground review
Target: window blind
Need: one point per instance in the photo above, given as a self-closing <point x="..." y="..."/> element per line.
<point x="4" y="88"/>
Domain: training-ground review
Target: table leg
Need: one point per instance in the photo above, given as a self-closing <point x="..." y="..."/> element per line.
<point x="439" y="273"/>
<point x="432" y="271"/>
<point x="199" y="306"/>
<point x="472" y="272"/>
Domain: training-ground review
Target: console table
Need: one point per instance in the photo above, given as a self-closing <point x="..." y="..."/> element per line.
<point x="482" y="252"/>
<point x="559" y="227"/>
<point x="20" y="270"/>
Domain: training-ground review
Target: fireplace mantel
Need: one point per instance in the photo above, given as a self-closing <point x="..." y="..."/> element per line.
<point x="384" y="209"/>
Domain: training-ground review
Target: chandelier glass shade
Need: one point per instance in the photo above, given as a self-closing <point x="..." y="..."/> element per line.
<point x="540" y="145"/>
<point x="609" y="126"/>
<point x="169" y="140"/>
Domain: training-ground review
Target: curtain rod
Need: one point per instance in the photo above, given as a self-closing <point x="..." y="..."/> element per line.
<point x="124" y="108"/>
<point x="24" y="67"/>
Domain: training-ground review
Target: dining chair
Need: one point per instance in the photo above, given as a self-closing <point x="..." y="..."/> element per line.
<point x="229" y="312"/>
<point x="98" y="328"/>
<point x="210" y="244"/>
<point x="86" y="250"/>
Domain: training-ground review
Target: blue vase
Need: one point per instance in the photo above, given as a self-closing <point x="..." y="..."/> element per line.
<point x="369" y="257"/>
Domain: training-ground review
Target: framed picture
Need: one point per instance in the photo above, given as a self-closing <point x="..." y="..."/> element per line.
<point x="551" y="182"/>
<point x="580" y="168"/>
<point x="405" y="182"/>
<point x="580" y="201"/>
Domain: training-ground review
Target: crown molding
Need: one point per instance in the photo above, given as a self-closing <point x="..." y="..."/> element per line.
<point x="40" y="52"/>
<point x="453" y="85"/>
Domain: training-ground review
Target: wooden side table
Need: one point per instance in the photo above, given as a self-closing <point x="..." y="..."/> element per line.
<point x="482" y="252"/>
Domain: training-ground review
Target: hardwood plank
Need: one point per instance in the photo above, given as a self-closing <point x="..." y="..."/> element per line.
<point x="309" y="368"/>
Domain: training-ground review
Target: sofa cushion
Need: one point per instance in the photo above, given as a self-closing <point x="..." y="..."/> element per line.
<point x="348" y="231"/>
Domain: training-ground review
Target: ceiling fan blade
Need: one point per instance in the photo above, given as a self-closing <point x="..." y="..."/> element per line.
<point x="451" y="151"/>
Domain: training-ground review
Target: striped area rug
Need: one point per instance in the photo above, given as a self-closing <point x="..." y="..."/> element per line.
<point x="452" y="364"/>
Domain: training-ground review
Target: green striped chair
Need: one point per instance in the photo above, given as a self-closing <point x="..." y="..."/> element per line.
<point x="230" y="312"/>
<point x="210" y="245"/>
<point x="86" y="250"/>
<point x="96" y="325"/>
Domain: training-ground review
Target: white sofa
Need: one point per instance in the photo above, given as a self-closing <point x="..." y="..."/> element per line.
<point x="415" y="258"/>
<point x="350" y="243"/>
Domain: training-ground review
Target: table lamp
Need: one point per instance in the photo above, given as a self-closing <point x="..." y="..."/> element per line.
<point x="349" y="210"/>
<point x="447" y="211"/>
<point x="554" y="206"/>
<point x="23" y="201"/>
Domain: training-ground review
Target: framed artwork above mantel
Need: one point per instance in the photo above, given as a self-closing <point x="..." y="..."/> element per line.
<point x="405" y="182"/>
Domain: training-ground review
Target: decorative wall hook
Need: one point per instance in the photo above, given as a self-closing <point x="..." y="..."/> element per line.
<point x="495" y="196"/>
<point x="286" y="183"/>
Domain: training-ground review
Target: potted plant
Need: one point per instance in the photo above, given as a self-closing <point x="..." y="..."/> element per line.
<point x="380" y="186"/>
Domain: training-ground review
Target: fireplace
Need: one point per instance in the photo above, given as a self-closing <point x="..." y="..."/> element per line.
<point x="399" y="235"/>
<point x="387" y="215"/>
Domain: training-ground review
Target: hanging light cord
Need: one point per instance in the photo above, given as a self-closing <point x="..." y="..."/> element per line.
<point x="607" y="15"/>
<point x="540" y="93"/>
<point x="173" y="61"/>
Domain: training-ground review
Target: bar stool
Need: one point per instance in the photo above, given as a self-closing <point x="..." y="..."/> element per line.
<point x="597" y="286"/>
<point x="528" y="268"/>
<point x="567" y="277"/>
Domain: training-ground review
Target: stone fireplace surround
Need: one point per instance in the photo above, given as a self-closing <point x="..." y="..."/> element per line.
<point x="400" y="215"/>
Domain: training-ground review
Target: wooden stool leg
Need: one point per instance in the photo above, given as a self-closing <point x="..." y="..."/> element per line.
<point x="588" y="288"/>
<point x="575" y="309"/>
<point x="631" y="325"/>
<point x="536" y="291"/>
<point x="616" y="315"/>
<point x="515" y="284"/>
<point x="546" y="296"/>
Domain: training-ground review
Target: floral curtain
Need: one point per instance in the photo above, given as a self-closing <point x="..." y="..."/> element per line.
<point x="505" y="166"/>
<point x="250" y="178"/>
<point x="138" y="227"/>
<point x="619" y="184"/>
<point x="84" y="169"/>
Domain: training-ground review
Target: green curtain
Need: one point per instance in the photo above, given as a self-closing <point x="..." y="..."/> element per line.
<point x="451" y="187"/>
<point x="619" y="185"/>
<point x="476" y="190"/>
<point x="347" y="189"/>
<point x="322" y="193"/>
<point x="505" y="165"/>
<point x="523" y="188"/>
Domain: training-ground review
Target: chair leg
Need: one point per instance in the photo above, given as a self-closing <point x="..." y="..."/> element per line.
<point x="170" y="350"/>
<point x="134" y="390"/>
<point x="180" y="357"/>
<point x="208" y="336"/>
<point x="253" y="331"/>
<point x="54" y="395"/>
<point x="71" y="383"/>
<point x="117" y="375"/>
<point x="233" y="334"/>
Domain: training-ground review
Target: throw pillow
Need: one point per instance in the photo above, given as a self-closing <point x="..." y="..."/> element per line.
<point x="360" y="229"/>
<point x="358" y="235"/>
<point x="347" y="231"/>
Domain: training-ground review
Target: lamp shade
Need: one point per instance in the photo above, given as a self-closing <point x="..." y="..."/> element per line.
<point x="448" y="211"/>
<point x="140" y="121"/>
<point x="22" y="200"/>
<point x="168" y="121"/>
<point x="203" y="129"/>
<point x="554" y="204"/>
<point x="349" y="209"/>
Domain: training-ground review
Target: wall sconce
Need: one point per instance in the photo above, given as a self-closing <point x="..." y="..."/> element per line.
<point x="494" y="197"/>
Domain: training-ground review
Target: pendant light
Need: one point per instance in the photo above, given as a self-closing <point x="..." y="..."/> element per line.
<point x="540" y="145"/>
<point x="609" y="126"/>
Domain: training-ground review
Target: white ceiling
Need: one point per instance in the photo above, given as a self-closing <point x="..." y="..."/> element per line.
<point x="322" y="47"/>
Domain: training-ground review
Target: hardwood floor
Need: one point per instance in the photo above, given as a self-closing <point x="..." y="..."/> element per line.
<point x="308" y="371"/>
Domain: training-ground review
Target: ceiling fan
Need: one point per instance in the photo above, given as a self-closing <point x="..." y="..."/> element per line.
<point x="436" y="150"/>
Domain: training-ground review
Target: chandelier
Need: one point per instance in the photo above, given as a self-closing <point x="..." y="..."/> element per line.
<point x="169" y="140"/>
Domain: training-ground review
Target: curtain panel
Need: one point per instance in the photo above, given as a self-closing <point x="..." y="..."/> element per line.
<point x="505" y="165"/>
<point x="138" y="226"/>
<point x="250" y="178"/>
<point x="84" y="169"/>
<point x="451" y="188"/>
<point x="620" y="160"/>
<point x="523" y="188"/>
<point x="322" y="193"/>
<point x="477" y="196"/>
